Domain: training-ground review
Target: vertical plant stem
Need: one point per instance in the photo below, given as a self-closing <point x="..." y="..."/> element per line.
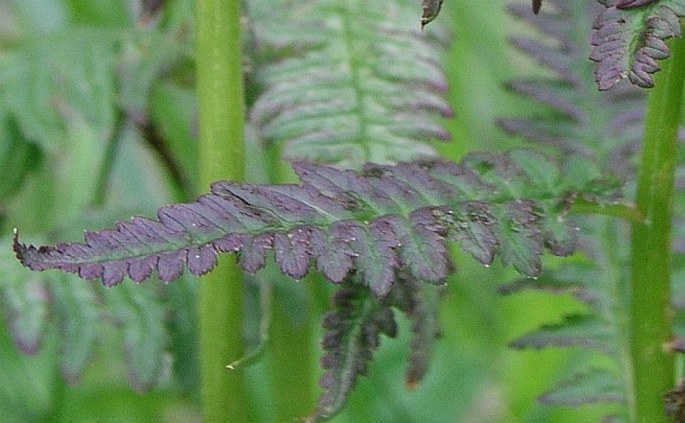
<point x="651" y="329"/>
<point x="293" y="362"/>
<point x="292" y="365"/>
<point x="221" y="152"/>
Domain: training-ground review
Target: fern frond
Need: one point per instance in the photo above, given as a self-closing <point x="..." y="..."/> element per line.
<point x="36" y="304"/>
<point x="576" y="330"/>
<point x="597" y="282"/>
<point x="421" y="304"/>
<point x="374" y="223"/>
<point x="365" y="86"/>
<point x="591" y="127"/>
<point x="593" y="386"/>
<point x="352" y="334"/>
<point x="628" y="39"/>
<point x="76" y="311"/>
<point x="25" y="301"/>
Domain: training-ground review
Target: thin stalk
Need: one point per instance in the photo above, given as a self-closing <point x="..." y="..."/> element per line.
<point x="651" y="326"/>
<point x="621" y="211"/>
<point x="221" y="154"/>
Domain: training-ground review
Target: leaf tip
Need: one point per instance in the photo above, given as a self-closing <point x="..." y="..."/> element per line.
<point x="411" y="384"/>
<point x="431" y="9"/>
<point x="537" y="4"/>
<point x="19" y="249"/>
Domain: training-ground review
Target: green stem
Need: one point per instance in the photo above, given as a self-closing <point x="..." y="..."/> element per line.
<point x="221" y="154"/>
<point x="292" y="364"/>
<point x="651" y="326"/>
<point x="622" y="211"/>
<point x="293" y="360"/>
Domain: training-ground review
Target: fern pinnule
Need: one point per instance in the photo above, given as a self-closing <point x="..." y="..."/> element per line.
<point x="628" y="39"/>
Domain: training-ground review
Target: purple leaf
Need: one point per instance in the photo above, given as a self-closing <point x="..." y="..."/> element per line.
<point x="373" y="224"/>
<point x="628" y="39"/>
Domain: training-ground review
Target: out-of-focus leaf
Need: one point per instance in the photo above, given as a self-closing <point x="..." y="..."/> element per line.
<point x="576" y="331"/>
<point x="105" y="14"/>
<point x="47" y="83"/>
<point x="28" y="380"/>
<point x="141" y="316"/>
<point x="594" y="386"/>
<point x="25" y="300"/>
<point x="181" y="299"/>
<point x="365" y="86"/>
<point x="76" y="309"/>
<point x="17" y="158"/>
<point x="144" y="58"/>
<point x="30" y="17"/>
<point x="172" y="110"/>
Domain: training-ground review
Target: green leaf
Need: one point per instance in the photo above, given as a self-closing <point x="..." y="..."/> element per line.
<point x="25" y="301"/>
<point x="78" y="318"/>
<point x="137" y="310"/>
<point x="71" y="79"/>
<point x="182" y="324"/>
<point x="577" y="330"/>
<point x="593" y="386"/>
<point x="366" y="86"/>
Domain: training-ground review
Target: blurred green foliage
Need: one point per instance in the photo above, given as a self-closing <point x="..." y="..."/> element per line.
<point x="97" y="123"/>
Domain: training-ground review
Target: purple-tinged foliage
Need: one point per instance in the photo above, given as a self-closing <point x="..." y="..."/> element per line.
<point x="593" y="386"/>
<point x="576" y="330"/>
<point x="597" y="281"/>
<point x="367" y="85"/>
<point x="628" y="39"/>
<point x="352" y="334"/>
<point x="372" y="223"/>
<point x="431" y="9"/>
<point x="627" y="4"/>
<point x="421" y="303"/>
<point x="537" y="5"/>
<point x="580" y="119"/>
<point x="353" y="329"/>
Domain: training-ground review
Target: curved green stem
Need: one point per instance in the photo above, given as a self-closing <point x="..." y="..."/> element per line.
<point x="651" y="326"/>
<point x="221" y="151"/>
